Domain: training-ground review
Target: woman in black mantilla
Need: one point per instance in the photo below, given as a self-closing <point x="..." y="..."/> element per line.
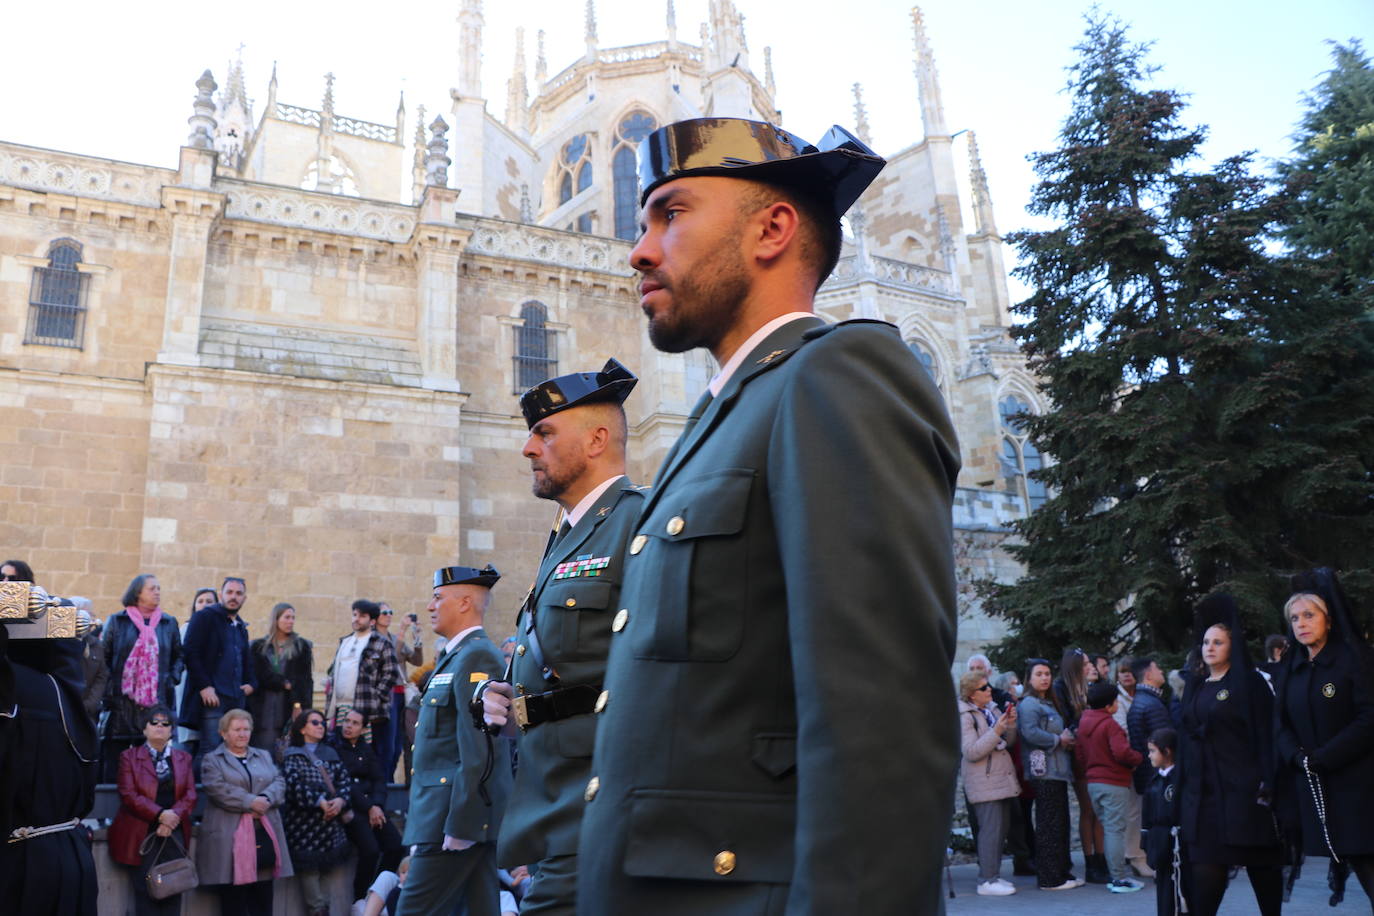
<point x="1227" y="765"/>
<point x="1325" y="724"/>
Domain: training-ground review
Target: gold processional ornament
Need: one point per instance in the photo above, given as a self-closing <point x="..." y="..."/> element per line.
<point x="29" y="612"/>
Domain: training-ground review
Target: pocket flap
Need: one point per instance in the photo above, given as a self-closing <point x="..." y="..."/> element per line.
<point x="705" y="507"/>
<point x="575" y="595"/>
<point x="439" y="696"/>
<point x="711" y="836"/>
<point x="429" y="778"/>
<point x="775" y="753"/>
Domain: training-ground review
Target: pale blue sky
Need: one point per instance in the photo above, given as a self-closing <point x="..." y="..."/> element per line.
<point x="116" y="80"/>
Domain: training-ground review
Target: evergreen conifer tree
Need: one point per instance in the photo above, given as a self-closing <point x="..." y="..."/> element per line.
<point x="1200" y="440"/>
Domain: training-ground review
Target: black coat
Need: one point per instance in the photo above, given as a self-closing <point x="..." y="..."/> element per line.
<point x="271" y="688"/>
<point x="368" y="786"/>
<point x="1326" y="711"/>
<point x="1159" y="815"/>
<point x="216" y="654"/>
<point x="1147" y="714"/>
<point x="118" y="640"/>
<point x="1227" y="734"/>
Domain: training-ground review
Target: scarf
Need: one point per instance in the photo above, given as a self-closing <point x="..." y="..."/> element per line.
<point x="161" y="760"/>
<point x="139" y="681"/>
<point x="246" y="849"/>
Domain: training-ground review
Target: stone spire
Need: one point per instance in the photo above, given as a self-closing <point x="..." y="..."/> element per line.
<point x="672" y="24"/>
<point x="233" y="117"/>
<point x="437" y="160"/>
<point x="401" y="120"/>
<point x="235" y="90"/>
<point x="591" y="30"/>
<point x="541" y="64"/>
<point x="768" y="83"/>
<point x="927" y="80"/>
<point x="517" y="90"/>
<point x="417" y="168"/>
<point x="728" y="47"/>
<point x="327" y="106"/>
<point x="526" y="207"/>
<point x="861" y="116"/>
<point x="470" y="49"/>
<point x="202" y="120"/>
<point x="978" y="181"/>
<point x="272" y="93"/>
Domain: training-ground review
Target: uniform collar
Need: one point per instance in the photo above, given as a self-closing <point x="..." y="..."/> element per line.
<point x="717" y="384"/>
<point x="453" y="643"/>
<point x="589" y="500"/>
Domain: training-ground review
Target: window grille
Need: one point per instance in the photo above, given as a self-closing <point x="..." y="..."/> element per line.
<point x="536" y="348"/>
<point x="927" y="360"/>
<point x="1019" y="455"/>
<point x="57" y="299"/>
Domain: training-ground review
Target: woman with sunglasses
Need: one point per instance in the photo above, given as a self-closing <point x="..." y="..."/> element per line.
<point x="989" y="775"/>
<point x="156" y="796"/>
<point x="317" y="791"/>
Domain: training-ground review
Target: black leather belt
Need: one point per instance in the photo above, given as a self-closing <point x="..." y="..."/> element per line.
<point x="533" y="709"/>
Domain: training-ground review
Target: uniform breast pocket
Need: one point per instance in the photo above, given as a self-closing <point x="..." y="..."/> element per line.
<point x="692" y="575"/>
<point x="572" y="621"/>
<point x="436" y="710"/>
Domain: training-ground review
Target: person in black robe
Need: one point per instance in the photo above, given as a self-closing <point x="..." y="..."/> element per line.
<point x="47" y="779"/>
<point x="1324" y="724"/>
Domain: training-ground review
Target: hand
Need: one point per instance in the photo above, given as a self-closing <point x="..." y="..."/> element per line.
<point x="496" y="702"/>
<point x="208" y="697"/>
<point x="334" y="806"/>
<point x="286" y="685"/>
<point x="164" y="831"/>
<point x="453" y="844"/>
<point x="375" y="817"/>
<point x="260" y="805"/>
<point x="1066" y="738"/>
<point x="247" y="689"/>
<point x="169" y="818"/>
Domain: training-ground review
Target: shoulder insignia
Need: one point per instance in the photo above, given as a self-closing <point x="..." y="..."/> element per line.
<point x="771" y="356"/>
<point x="477" y="677"/>
<point x="642" y="487"/>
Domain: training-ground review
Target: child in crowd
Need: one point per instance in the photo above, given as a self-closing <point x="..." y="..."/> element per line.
<point x="1106" y="759"/>
<point x="1162" y="843"/>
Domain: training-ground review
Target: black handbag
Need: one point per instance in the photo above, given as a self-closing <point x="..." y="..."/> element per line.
<point x="267" y="853"/>
<point x="175" y="876"/>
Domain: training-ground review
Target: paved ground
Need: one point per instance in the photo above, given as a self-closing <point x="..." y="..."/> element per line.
<point x="1309" y="897"/>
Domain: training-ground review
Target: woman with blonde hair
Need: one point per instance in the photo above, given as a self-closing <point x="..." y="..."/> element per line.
<point x="242" y="845"/>
<point x="284" y="666"/>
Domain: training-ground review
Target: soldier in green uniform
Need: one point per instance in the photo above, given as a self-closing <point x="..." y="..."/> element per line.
<point x="462" y="775"/>
<point x="576" y="450"/>
<point x="777" y="732"/>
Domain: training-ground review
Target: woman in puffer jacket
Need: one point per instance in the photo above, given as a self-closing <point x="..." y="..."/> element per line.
<point x="989" y="775"/>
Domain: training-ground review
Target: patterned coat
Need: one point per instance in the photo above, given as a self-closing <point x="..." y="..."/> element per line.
<point x="378" y="672"/>
<point x="316" y="844"/>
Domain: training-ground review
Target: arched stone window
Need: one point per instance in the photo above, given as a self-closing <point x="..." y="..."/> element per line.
<point x="536" y="348"/>
<point x="1019" y="454"/>
<point x="927" y="358"/>
<point x="575" y="176"/>
<point x="338" y="178"/>
<point x="57" y="298"/>
<point x="624" y="173"/>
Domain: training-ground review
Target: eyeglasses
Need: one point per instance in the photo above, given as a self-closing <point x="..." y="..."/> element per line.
<point x="161" y="723"/>
<point x="984" y="687"/>
<point x="387" y="612"/>
<point x="319" y="722"/>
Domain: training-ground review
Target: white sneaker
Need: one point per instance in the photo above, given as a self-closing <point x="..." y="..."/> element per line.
<point x="1006" y="882"/>
<point x="995" y="888"/>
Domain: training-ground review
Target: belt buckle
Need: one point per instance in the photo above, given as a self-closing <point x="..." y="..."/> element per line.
<point x="522" y="715"/>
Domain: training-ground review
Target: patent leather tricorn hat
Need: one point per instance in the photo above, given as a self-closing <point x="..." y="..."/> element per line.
<point x="612" y="384"/>
<point x="836" y="170"/>
<point x="486" y="577"/>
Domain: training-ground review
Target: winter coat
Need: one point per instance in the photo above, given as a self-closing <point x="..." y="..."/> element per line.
<point x="378" y="671"/>
<point x="1104" y="754"/>
<point x="229" y="795"/>
<point x="1147" y="716"/>
<point x="1325" y="710"/>
<point x="1039" y="725"/>
<point x="316" y="844"/>
<point x="118" y="639"/>
<point x="138" y="807"/>
<point x="988" y="772"/>
<point x="216" y="651"/>
<point x="1159" y="815"/>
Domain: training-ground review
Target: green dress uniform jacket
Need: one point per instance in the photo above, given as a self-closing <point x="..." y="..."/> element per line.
<point x="779" y="729"/>
<point x="574" y="608"/>
<point x="446" y="796"/>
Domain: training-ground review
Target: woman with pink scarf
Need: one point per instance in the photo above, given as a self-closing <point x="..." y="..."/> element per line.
<point x="143" y="652"/>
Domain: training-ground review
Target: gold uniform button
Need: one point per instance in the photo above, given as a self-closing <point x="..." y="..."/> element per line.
<point x="592" y="787"/>
<point x="601" y="701"/>
<point x="622" y="617"/>
<point x="520" y="649"/>
<point x="724" y="862"/>
<point x="675" y="525"/>
<point x="638" y="543"/>
<point x="444" y="779"/>
<point x="571" y="602"/>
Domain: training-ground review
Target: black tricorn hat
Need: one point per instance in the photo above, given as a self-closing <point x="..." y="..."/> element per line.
<point x="612" y="384"/>
<point x="835" y="171"/>
<point x="486" y="577"/>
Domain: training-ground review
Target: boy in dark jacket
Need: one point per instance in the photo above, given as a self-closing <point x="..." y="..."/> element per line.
<point x="1107" y="761"/>
<point x="1161" y="823"/>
